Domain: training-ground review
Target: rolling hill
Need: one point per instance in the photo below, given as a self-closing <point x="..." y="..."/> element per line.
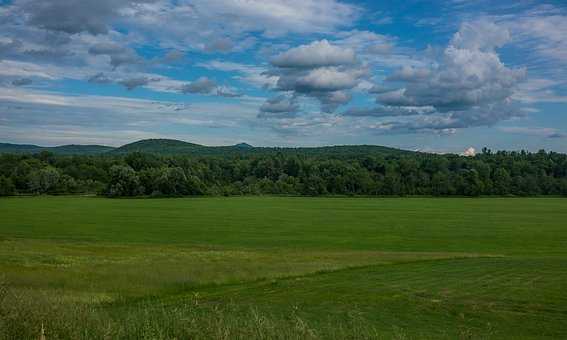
<point x="158" y="146"/>
<point x="171" y="147"/>
<point x="71" y="149"/>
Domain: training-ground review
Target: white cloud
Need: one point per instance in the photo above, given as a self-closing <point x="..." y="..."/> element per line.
<point x="279" y="107"/>
<point x="217" y="24"/>
<point x="319" y="70"/>
<point x="390" y="111"/>
<point x="324" y="79"/>
<point x="202" y="85"/>
<point x="251" y="74"/>
<point x="480" y="35"/>
<point x="317" y="54"/>
<point x="118" y="54"/>
<point x="468" y="86"/>
<point x="276" y="17"/>
<point x="469" y="152"/>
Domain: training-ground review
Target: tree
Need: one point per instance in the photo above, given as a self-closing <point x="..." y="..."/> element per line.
<point x="392" y="184"/>
<point x="314" y="186"/>
<point x="563" y="187"/>
<point x="501" y="182"/>
<point x="123" y="182"/>
<point x="44" y="180"/>
<point x="7" y="187"/>
<point x="341" y="171"/>
<point x="288" y="185"/>
<point x="473" y="184"/>
<point x="139" y="161"/>
<point x="441" y="185"/>
<point x="172" y="182"/>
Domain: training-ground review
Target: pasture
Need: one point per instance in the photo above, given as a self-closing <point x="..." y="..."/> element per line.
<point x="283" y="267"/>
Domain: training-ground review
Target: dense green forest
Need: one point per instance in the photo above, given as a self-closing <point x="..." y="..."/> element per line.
<point x="321" y="171"/>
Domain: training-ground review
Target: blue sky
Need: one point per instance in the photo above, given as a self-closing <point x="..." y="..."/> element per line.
<point x="439" y="76"/>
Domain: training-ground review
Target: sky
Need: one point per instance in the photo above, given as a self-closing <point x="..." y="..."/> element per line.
<point x="434" y="76"/>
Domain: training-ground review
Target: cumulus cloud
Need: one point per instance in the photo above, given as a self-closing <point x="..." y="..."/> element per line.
<point x="172" y="57"/>
<point x="219" y="45"/>
<point x="463" y="79"/>
<point x="317" y="54"/>
<point x="251" y="74"/>
<point x="47" y="54"/>
<point x="379" y="89"/>
<point x="99" y="78"/>
<point x="468" y="86"/>
<point x="366" y="42"/>
<point x="324" y="79"/>
<point x="446" y="122"/>
<point x="202" y="85"/>
<point x="226" y="91"/>
<point x="75" y="16"/>
<point x="279" y="107"/>
<point x="469" y="152"/>
<point x="410" y="74"/>
<point x="275" y="17"/>
<point x="317" y="125"/>
<point x="319" y="70"/>
<point x="229" y="25"/>
<point x="390" y="111"/>
<point x="119" y="55"/>
<point x="480" y="35"/>
<point x="132" y="83"/>
<point x="330" y="101"/>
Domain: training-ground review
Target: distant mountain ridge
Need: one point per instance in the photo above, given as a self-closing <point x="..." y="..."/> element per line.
<point x="71" y="149"/>
<point x="172" y="147"/>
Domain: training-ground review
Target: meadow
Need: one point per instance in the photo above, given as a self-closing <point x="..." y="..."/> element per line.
<point x="283" y="268"/>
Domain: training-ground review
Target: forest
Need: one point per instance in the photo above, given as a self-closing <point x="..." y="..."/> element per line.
<point x="502" y="173"/>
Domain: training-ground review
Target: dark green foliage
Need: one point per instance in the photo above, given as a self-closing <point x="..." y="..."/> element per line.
<point x="157" y="146"/>
<point x="44" y="180"/>
<point x="305" y="171"/>
<point x="124" y="181"/>
<point x="7" y="188"/>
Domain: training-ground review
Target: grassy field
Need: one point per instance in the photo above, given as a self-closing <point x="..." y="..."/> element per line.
<point x="266" y="267"/>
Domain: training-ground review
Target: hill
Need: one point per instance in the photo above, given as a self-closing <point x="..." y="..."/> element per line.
<point x="158" y="146"/>
<point x="172" y="147"/>
<point x="177" y="147"/>
<point x="59" y="150"/>
<point x="243" y="145"/>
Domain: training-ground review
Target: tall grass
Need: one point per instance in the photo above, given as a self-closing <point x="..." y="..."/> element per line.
<point x="23" y="314"/>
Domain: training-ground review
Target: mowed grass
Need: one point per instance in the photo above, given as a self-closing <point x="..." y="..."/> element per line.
<point x="274" y="267"/>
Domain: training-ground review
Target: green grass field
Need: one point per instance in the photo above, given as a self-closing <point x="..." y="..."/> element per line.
<point x="267" y="267"/>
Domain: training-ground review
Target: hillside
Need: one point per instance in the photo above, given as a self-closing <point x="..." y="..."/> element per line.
<point x="171" y="147"/>
<point x="59" y="150"/>
<point x="158" y="146"/>
<point x="177" y="147"/>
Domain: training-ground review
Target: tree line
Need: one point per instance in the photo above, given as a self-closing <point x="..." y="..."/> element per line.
<point x="141" y="174"/>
